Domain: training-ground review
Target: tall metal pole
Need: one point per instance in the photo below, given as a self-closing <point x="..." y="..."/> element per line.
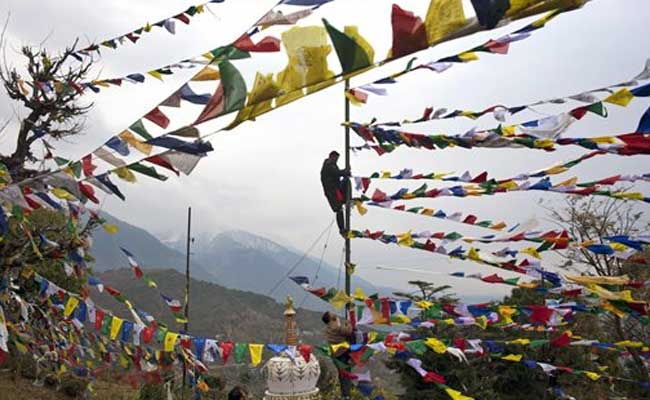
<point x="187" y="269"/>
<point x="348" y="203"/>
<point x="187" y="288"/>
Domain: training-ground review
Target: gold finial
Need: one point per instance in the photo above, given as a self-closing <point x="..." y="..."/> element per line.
<point x="289" y="307"/>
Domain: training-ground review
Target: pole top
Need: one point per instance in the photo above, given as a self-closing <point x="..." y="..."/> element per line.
<point x="289" y="310"/>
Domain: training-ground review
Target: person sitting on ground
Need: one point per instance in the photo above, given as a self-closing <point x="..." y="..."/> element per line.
<point x="338" y="331"/>
<point x="336" y="186"/>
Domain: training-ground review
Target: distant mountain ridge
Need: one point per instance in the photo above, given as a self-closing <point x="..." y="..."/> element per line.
<point x="234" y="259"/>
<point x="214" y="310"/>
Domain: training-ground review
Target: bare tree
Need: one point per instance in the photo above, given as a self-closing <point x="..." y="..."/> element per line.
<point x="50" y="92"/>
<point x="591" y="220"/>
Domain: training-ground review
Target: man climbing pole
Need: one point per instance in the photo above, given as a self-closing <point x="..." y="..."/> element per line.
<point x="336" y="186"/>
<point x="339" y="331"/>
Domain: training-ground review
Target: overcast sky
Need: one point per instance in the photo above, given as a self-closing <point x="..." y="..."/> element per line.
<point x="264" y="176"/>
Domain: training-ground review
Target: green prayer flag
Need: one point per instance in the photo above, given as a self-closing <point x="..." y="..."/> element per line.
<point x="234" y="87"/>
<point x="240" y="352"/>
<point x="453" y="236"/>
<point x="417" y="346"/>
<point x="545" y="246"/>
<point x="106" y="325"/>
<point x="76" y="169"/>
<point x="149" y="171"/>
<point x="139" y="128"/>
<point x="60" y="161"/>
<point x="229" y="52"/>
<point x="419" y="192"/>
<point x="538" y="342"/>
<point x="598" y="108"/>
<point x="484" y="224"/>
<point x="351" y="55"/>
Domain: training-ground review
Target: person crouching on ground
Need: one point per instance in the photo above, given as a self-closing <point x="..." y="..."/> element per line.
<point x="338" y="331"/>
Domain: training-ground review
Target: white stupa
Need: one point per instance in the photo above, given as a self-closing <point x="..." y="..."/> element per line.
<point x="292" y="378"/>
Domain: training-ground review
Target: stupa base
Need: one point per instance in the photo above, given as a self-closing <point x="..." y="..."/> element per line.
<point x="312" y="395"/>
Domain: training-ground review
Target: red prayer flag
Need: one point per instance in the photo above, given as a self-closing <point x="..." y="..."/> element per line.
<point x="305" y="351"/>
<point x="470" y="219"/>
<point x="158" y="117"/>
<point x="481" y="178"/>
<point x="87" y="191"/>
<point x="267" y="45"/>
<point x="432" y="377"/>
<point x="87" y="165"/>
<point x="226" y="350"/>
<point x="182" y="17"/>
<point x="561" y="341"/>
<point x="409" y="32"/>
<point x="99" y="318"/>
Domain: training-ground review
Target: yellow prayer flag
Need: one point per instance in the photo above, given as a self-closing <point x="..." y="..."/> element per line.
<point x="170" y="341"/>
<point x="568" y="182"/>
<point x="598" y="280"/>
<point x="436" y="345"/>
<point x="508" y="130"/>
<point x="385" y="175"/>
<point x="256" y="353"/>
<point x="307" y="48"/>
<point x="481" y="322"/>
<point x="532" y="252"/>
<point x="358" y="294"/>
<point x="620" y="98"/>
<point x="125" y="174"/>
<point x="405" y="239"/>
<point x="618" y="246"/>
<point x="155" y="74"/>
<point x="336" y="347"/>
<point x="62" y="194"/>
<point x="116" y="325"/>
<point x="628" y="343"/>
<point x="609" y="307"/>
<point x="468" y="56"/>
<point x="424" y="304"/>
<point x="110" y="228"/>
<point x="360" y="208"/>
<point x="372" y="336"/>
<point x="592" y="375"/>
<point x="472" y="254"/>
<point x="513" y="357"/>
<point x="260" y="98"/>
<point x="340" y="300"/>
<point x="498" y="226"/>
<point x="543" y="143"/>
<point x="139" y="145"/>
<point x="520" y="341"/>
<point x="427" y="211"/>
<point x="506" y="313"/>
<point x="207" y="74"/>
<point x="147" y="28"/>
<point x="124" y="362"/>
<point x="509" y="185"/>
<point x="519" y="5"/>
<point x="456" y="395"/>
<point x="629" y="195"/>
<point x="70" y="306"/>
<point x="556" y="169"/>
